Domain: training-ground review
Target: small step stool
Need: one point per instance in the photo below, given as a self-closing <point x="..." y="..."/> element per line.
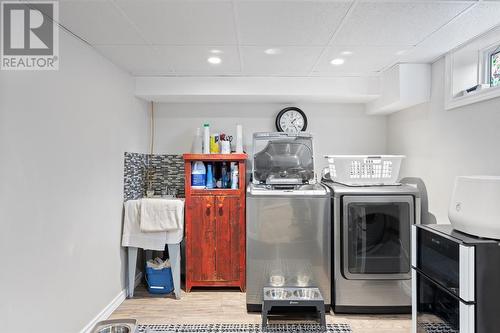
<point x="292" y="297"/>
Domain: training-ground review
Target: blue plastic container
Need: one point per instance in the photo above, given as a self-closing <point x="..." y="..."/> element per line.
<point x="159" y="280"/>
<point x="210" y="176"/>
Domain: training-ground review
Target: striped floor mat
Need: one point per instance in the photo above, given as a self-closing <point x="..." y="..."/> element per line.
<point x="242" y="328"/>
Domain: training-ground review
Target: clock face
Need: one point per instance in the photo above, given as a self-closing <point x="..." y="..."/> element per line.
<point x="291" y="120"/>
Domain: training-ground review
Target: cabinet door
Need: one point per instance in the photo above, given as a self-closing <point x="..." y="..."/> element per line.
<point x="202" y="239"/>
<point x="228" y="225"/>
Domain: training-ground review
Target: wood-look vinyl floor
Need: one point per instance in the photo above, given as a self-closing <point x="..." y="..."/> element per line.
<point x="228" y="306"/>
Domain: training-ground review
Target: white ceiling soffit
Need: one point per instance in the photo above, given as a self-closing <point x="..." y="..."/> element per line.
<point x="176" y="37"/>
<point x="257" y="89"/>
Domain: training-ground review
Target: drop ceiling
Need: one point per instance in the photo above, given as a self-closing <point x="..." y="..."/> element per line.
<point x="175" y="38"/>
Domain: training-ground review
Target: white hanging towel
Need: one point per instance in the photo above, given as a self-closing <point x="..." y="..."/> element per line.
<point x="161" y="214"/>
<point x="132" y="235"/>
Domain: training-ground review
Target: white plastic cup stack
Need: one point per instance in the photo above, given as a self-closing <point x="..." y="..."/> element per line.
<point x="239" y="139"/>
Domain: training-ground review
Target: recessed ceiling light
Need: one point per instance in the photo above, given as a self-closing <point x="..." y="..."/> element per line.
<point x="347" y="52"/>
<point x="214" y="60"/>
<point x="215" y="51"/>
<point x="272" y="51"/>
<point x="401" y="52"/>
<point x="337" y="61"/>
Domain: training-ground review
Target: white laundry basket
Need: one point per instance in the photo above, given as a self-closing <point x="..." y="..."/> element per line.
<point x="362" y="170"/>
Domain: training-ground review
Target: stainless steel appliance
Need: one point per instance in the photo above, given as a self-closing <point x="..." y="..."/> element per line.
<point x="371" y="237"/>
<point x="455" y="281"/>
<point x="288" y="219"/>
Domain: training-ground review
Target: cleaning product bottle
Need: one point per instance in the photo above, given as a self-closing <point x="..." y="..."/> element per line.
<point x="198" y="175"/>
<point x="217" y="170"/>
<point x="234" y="176"/>
<point x="214" y="143"/>
<point x="210" y="176"/>
<point x="206" y="139"/>
<point x="225" y="176"/>
<point x="197" y="146"/>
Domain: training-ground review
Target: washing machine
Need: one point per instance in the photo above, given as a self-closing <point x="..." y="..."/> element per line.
<point x="371" y="250"/>
<point x="287" y="219"/>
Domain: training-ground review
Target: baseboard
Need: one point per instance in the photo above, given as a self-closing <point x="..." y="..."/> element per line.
<point x="106" y="312"/>
<point x="112" y="306"/>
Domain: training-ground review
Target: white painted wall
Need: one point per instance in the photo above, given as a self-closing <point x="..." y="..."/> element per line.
<point x="441" y="145"/>
<point x="62" y="139"/>
<point x="337" y="128"/>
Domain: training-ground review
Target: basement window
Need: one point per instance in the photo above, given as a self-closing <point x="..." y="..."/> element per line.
<point x="489" y="66"/>
<point x="476" y="71"/>
<point x="472" y="72"/>
<point x="494" y="67"/>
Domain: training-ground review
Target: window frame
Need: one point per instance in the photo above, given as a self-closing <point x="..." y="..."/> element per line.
<point x="496" y="51"/>
<point x="485" y="55"/>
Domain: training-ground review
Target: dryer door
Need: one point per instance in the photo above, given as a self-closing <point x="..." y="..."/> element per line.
<point x="376" y="237"/>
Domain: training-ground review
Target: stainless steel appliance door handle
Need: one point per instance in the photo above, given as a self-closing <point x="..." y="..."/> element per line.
<point x="466" y="318"/>
<point x="467" y="270"/>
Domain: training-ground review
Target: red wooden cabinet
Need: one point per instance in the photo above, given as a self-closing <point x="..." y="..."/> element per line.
<point x="215" y="229"/>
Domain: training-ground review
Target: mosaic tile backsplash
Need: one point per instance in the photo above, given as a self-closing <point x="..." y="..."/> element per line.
<point x="134" y="184"/>
<point x="158" y="171"/>
<point x="167" y="171"/>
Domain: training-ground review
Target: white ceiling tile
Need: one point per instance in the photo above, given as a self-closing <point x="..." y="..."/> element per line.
<point x="98" y="22"/>
<point x="192" y="60"/>
<point x="287" y="61"/>
<point x="393" y="23"/>
<point x="288" y="22"/>
<point x="184" y="32"/>
<point x="182" y="22"/>
<point x="363" y="60"/>
<point x="137" y="59"/>
<point x="483" y="17"/>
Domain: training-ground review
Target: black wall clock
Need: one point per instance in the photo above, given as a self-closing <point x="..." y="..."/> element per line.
<point x="291" y="120"/>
